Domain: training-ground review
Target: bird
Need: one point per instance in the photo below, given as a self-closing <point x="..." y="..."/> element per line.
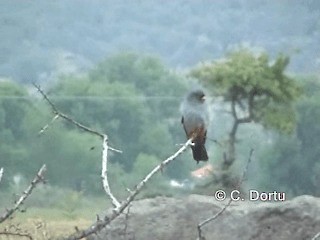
<point x="195" y="120"/>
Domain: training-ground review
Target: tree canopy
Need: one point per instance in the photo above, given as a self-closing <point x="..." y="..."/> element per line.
<point x="255" y="89"/>
<point x="291" y="163"/>
<point x="254" y="85"/>
<point x="133" y="98"/>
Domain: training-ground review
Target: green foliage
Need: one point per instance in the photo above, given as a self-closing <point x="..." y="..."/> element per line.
<point x="282" y="166"/>
<point x="132" y="98"/>
<point x="135" y="100"/>
<point x="291" y="163"/>
<point x="70" y="204"/>
<point x="252" y="82"/>
<point x="13" y="107"/>
<point x="144" y="164"/>
<point x="115" y="98"/>
<point x="71" y="34"/>
<point x="156" y="140"/>
<point x="146" y="74"/>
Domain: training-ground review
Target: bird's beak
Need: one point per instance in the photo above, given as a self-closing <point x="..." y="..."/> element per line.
<point x="203" y="98"/>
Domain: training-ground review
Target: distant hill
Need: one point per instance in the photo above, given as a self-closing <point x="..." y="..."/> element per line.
<point x="42" y="39"/>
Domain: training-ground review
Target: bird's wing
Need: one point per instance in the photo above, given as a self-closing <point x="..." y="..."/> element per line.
<point x="184" y="126"/>
<point x="194" y="126"/>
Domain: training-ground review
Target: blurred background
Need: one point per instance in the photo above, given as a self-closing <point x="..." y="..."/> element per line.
<point x="123" y="67"/>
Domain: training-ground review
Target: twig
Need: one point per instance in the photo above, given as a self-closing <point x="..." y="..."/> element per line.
<point x="98" y="225"/>
<point x="104" y="172"/>
<point x="315" y="237"/>
<point x="125" y="229"/>
<point x="38" y="178"/>
<point x="16" y="234"/>
<point x="205" y="222"/>
<point x="56" y="112"/>
<point x="245" y="171"/>
<point x="1" y="173"/>
<point x="215" y="141"/>
<point x="42" y="130"/>
<point x="118" y="207"/>
<point x="105" y="146"/>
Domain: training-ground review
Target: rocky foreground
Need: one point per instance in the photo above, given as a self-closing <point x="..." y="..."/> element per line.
<point x="163" y="218"/>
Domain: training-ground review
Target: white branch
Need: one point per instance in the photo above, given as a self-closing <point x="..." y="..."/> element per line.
<point x="37" y="179"/>
<point x="105" y="145"/>
<point x="118" y="207"/>
<point x="1" y="173"/>
<point x="47" y="125"/>
<point x="104" y="172"/>
<point x="160" y="166"/>
<point x="100" y="224"/>
<point x="316" y="236"/>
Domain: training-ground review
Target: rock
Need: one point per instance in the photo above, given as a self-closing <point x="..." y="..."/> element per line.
<point x="163" y="218"/>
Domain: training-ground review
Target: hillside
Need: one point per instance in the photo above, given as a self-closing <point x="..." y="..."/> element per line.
<point x="41" y="40"/>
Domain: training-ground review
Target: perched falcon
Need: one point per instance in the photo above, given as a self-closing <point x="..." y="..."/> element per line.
<point x="194" y="121"/>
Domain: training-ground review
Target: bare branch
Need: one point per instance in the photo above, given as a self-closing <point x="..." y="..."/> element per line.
<point x="42" y="130"/>
<point x="245" y="171"/>
<point x="16" y="234"/>
<point x="233" y="109"/>
<point x="98" y="225"/>
<point x="114" y="149"/>
<point x="1" y="173"/>
<point x="126" y="220"/>
<point x="38" y="178"/>
<point x="246" y="119"/>
<point x="316" y="236"/>
<point x="250" y="116"/>
<point x="118" y="207"/>
<point x="56" y="112"/>
<point x="244" y="174"/>
<point x="105" y="146"/>
<point x="104" y="172"/>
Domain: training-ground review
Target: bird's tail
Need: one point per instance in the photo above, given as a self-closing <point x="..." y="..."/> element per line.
<point x="199" y="152"/>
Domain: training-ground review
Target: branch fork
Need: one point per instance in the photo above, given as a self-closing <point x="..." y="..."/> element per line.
<point x="118" y="207"/>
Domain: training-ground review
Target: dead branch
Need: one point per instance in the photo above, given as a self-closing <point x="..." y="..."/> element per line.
<point x="38" y="179"/>
<point x="100" y="224"/>
<point x="105" y="146"/>
<point x="316" y="236"/>
<point x="126" y="221"/>
<point x="104" y="173"/>
<point x="42" y="130"/>
<point x="205" y="222"/>
<point x="118" y="207"/>
<point x="16" y="234"/>
<point x="16" y="231"/>
<point x="1" y="173"/>
<point x="57" y="114"/>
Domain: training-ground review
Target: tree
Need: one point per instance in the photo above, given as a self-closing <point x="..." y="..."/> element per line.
<point x="134" y="98"/>
<point x="13" y="108"/>
<point x="254" y="90"/>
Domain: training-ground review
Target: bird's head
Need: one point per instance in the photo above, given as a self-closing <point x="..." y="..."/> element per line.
<point x="196" y="96"/>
